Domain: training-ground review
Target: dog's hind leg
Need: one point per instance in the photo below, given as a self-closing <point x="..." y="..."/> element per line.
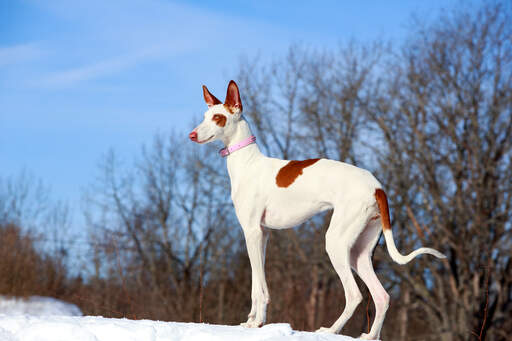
<point x="361" y="261"/>
<point x="343" y="232"/>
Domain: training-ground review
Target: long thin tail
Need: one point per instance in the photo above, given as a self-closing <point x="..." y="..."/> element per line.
<point x="382" y="202"/>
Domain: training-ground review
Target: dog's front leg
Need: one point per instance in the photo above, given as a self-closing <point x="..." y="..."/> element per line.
<point x="256" y="240"/>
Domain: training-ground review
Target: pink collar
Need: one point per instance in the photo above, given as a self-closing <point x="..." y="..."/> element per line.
<point x="229" y="150"/>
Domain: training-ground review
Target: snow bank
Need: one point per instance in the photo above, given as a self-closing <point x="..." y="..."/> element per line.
<point x="92" y="328"/>
<point x="37" y="306"/>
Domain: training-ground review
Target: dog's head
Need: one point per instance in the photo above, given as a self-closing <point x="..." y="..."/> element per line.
<point x="221" y="118"/>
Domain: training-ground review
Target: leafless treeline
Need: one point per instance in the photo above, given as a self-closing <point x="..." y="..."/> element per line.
<point x="432" y="119"/>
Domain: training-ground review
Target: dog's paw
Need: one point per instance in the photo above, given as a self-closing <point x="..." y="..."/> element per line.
<point x="365" y="336"/>
<point x="252" y="323"/>
<point x="325" y="330"/>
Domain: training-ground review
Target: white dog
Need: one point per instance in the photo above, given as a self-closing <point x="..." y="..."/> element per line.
<point x="279" y="194"/>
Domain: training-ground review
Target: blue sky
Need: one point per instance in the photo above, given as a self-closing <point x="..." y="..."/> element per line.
<point x="80" y="77"/>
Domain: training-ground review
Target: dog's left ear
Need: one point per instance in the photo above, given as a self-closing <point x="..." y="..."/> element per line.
<point x="209" y="98"/>
<point x="233" y="102"/>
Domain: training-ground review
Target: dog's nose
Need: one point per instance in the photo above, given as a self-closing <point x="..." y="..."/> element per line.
<point x="193" y="136"/>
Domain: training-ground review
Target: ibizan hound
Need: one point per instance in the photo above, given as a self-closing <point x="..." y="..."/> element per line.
<point x="278" y="194"/>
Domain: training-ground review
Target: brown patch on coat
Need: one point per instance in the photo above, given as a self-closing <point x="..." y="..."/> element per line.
<point x="219" y="119"/>
<point x="382" y="202"/>
<point x="287" y="175"/>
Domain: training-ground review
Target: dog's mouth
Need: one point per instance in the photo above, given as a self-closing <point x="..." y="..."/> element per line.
<point x="207" y="140"/>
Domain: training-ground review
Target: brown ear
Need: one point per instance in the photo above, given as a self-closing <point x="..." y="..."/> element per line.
<point x="233" y="102"/>
<point x="209" y="98"/>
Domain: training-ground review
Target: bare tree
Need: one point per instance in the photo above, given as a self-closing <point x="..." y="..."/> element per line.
<point x="24" y="199"/>
<point x="164" y="223"/>
<point x="33" y="262"/>
<point x="444" y="118"/>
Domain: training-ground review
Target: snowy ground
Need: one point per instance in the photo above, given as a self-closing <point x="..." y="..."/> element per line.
<point x="93" y="328"/>
<point x="47" y="319"/>
<point x="37" y="306"/>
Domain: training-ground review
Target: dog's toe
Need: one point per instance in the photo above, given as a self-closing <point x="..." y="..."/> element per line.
<point x="252" y="324"/>
<point x="325" y="330"/>
<point x="365" y="336"/>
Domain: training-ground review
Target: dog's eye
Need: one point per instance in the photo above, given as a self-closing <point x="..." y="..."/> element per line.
<point x="219" y="119"/>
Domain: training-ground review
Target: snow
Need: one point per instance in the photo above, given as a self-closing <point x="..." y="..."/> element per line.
<point x="48" y="319"/>
<point x="37" y="306"/>
<point x="95" y="328"/>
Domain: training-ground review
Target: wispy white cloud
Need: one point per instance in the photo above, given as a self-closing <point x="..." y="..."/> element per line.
<point x="100" y="68"/>
<point x="117" y="35"/>
<point x="81" y="73"/>
<point x="19" y="53"/>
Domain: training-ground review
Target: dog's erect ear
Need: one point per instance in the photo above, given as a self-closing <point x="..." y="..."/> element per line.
<point x="209" y="98"/>
<point x="233" y="102"/>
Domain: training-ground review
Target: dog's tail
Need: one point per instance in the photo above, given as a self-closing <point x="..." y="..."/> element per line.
<point x="382" y="202"/>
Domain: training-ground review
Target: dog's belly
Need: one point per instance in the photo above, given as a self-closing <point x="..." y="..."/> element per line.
<point x="291" y="214"/>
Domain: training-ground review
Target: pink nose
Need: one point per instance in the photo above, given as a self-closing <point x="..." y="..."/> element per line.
<point x="193" y="136"/>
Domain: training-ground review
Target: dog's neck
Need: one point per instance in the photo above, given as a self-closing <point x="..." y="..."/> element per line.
<point x="239" y="132"/>
<point x="239" y="160"/>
